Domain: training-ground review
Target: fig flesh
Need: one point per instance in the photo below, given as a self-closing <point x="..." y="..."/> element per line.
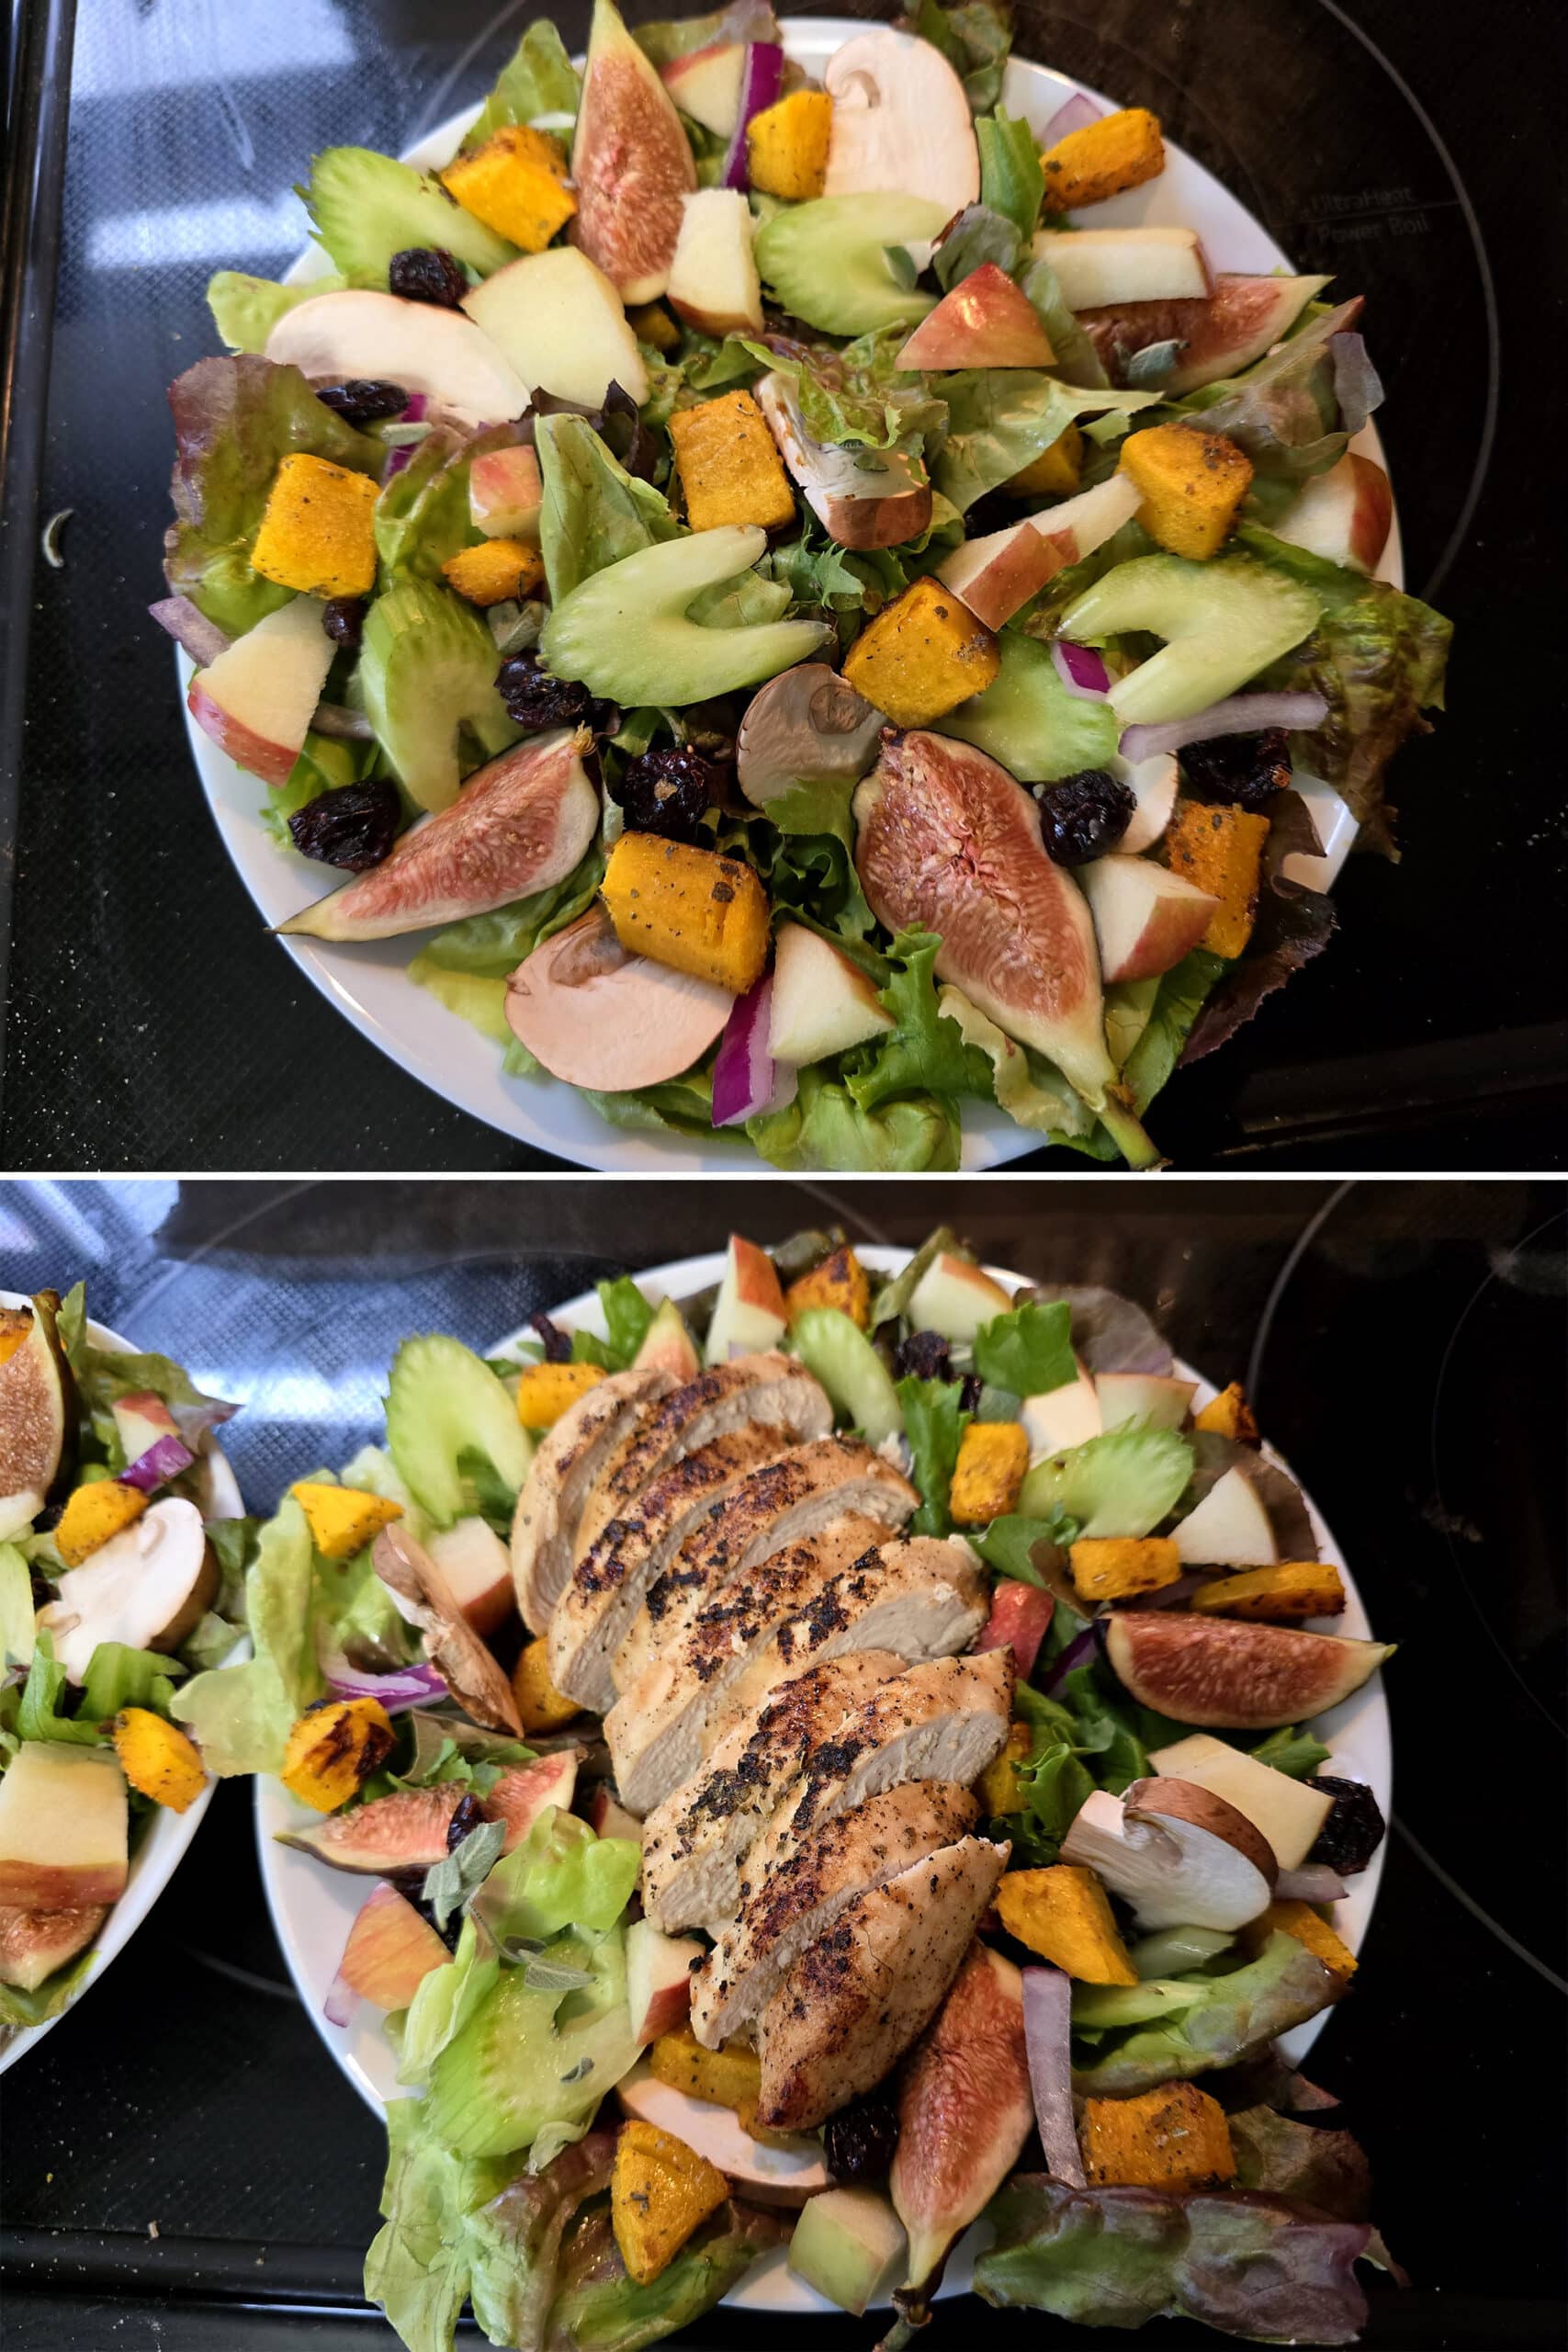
<point x="37" y="1412"/>
<point x="390" y="1951"/>
<point x="406" y="1831"/>
<point x="601" y="1017"/>
<point x="1229" y="1675"/>
<point x="33" y="1944"/>
<point x="631" y="162"/>
<point x="522" y="1793"/>
<point x="947" y="842"/>
<point x="965" y="2113"/>
<point x="1219" y="333"/>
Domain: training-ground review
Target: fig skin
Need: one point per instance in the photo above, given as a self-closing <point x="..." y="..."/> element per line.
<point x="1221" y="1674"/>
<point x="406" y="1831"/>
<point x="631" y="164"/>
<point x="33" y="1944"/>
<point x="38" y="1418"/>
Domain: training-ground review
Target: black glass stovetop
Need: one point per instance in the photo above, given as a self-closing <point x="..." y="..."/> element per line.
<point x="184" y="2168"/>
<point x="152" y="1024"/>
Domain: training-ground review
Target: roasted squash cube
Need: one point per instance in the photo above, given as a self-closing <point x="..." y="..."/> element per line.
<point x="1064" y="1915"/>
<point x="515" y="184"/>
<point x="651" y="323"/>
<point x="319" y="531"/>
<point x="1174" y="2137"/>
<point x="660" y="2191"/>
<point x="729" y="466"/>
<point x="1109" y="1567"/>
<point x="540" y="1706"/>
<point x="94" y="1513"/>
<point x="1293" y="1590"/>
<point x="1220" y="849"/>
<point x="1055" y="471"/>
<point x="545" y="1391"/>
<point x="333" y="1749"/>
<point x="992" y="1459"/>
<point x="1229" y="1415"/>
<point x="688" y="907"/>
<point x="728" y="2077"/>
<point x="922" y="655"/>
<point x="1299" y="1919"/>
<point x="158" y="1758"/>
<point x="839" y="1281"/>
<point x="1120" y="150"/>
<point x="787" y="145"/>
<point x="495" y="572"/>
<point x="1193" y="483"/>
<point x="998" y="1786"/>
<point x="343" y="1519"/>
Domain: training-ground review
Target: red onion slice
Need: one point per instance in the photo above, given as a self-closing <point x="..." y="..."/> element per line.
<point x="1081" y="668"/>
<point x="163" y="1460"/>
<point x="341" y="2002"/>
<point x="761" y="80"/>
<point x="1079" y="1652"/>
<point x="414" y="413"/>
<point x="191" y="629"/>
<point x="1237" y="714"/>
<point x="406" y="1686"/>
<point x="1075" y="114"/>
<point x="1047" y="2031"/>
<point x="1314" y="1883"/>
<point x="746" y="1079"/>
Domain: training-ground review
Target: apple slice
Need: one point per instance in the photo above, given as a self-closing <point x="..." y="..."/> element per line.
<point x="1289" y="1815"/>
<point x="821" y="1002"/>
<point x="985" y="321"/>
<point x="257" y="699"/>
<point x="1230" y="1528"/>
<point x="997" y="575"/>
<point x="1143" y="926"/>
<point x="141" y="1422"/>
<point x="705" y="84"/>
<point x="1344" y="515"/>
<point x="1064" y="1417"/>
<point x="1095" y="266"/>
<point x="477" y="1567"/>
<point x="380" y="337"/>
<point x="714" y="284"/>
<point x="659" y="1979"/>
<point x="608" y="1819"/>
<point x="667" y="1346"/>
<point x="1153" y="784"/>
<point x="954" y="1299"/>
<point x="749" y="1316"/>
<point x="1019" y="1619"/>
<point x="65" y="1827"/>
<point x="1143" y="1397"/>
<point x="776" y="2171"/>
<point x="505" y="495"/>
<point x="559" y="321"/>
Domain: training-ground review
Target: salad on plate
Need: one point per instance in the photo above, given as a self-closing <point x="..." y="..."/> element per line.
<point x="120" y="1575"/>
<point x="843" y="1769"/>
<point x="804" y="627"/>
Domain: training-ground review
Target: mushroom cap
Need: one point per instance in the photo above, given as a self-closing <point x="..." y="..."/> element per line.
<point x="599" y="1016"/>
<point x="1174" y="1800"/>
<point x="428" y="1600"/>
<point x="806" y="726"/>
<point x="1180" y="1855"/>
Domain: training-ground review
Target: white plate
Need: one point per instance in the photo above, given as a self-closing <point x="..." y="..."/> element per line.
<point x="313" y="1907"/>
<point x="167" y="1835"/>
<point x="368" y="984"/>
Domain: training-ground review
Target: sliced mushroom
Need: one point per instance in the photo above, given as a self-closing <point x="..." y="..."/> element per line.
<point x="863" y="498"/>
<point x="1180" y="1855"/>
<point x="147" y="1588"/>
<point x="428" y="1600"/>
<point x="900" y="117"/>
<point x="601" y="1017"/>
<point x="806" y="726"/>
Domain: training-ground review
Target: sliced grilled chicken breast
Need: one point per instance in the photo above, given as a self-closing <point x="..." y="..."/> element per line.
<point x="693" y="1843"/>
<point x="861" y="1994"/>
<point x="569" y="1458"/>
<point x="605" y="1588"/>
<point x="794" y="1890"/>
<point x="795" y="1495"/>
<point x="846" y="1591"/>
<point x="769" y="1389"/>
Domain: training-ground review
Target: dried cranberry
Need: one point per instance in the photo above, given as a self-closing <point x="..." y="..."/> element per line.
<point x="426" y="274"/>
<point x="1353" y="1831"/>
<point x="556" y="1342"/>
<point x="361" y="400"/>
<point x="970" y="1394"/>
<point x="665" y="792"/>
<point x="343" y="618"/>
<point x="861" y="2141"/>
<point x="924" y="1355"/>
<point x="1246" y="769"/>
<point x="1084" y="816"/>
<point x="534" y="700"/>
<point x="466" y="1818"/>
<point x="354" y="826"/>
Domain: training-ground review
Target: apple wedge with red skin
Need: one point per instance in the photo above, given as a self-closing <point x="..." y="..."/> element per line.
<point x="659" y="1979"/>
<point x="1344" y="515"/>
<point x="478" y="1570"/>
<point x="390" y="1951"/>
<point x="505" y="493"/>
<point x="985" y="321"/>
<point x="997" y="575"/>
<point x="667" y="1346"/>
<point x="257" y="699"/>
<point x="602" y="1018"/>
<point x="714" y="284"/>
<point x="1146" y="918"/>
<point x="1224" y="1674"/>
<point x="749" y="1314"/>
<point x="519" y="825"/>
<point x="705" y="84"/>
<point x="1020" y="1621"/>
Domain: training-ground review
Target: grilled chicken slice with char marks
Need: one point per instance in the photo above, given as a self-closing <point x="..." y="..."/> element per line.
<point x="794" y="1890"/>
<point x="693" y="1843"/>
<point x="860" y="1994"/>
<point x="569" y="1458"/>
<point x="795" y="1496"/>
<point x="942" y="1721"/>
<point x="607" y="1587"/>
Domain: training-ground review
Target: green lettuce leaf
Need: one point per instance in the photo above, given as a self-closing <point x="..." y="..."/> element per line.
<point x="240" y="1715"/>
<point x="934" y="1423"/>
<point x="857" y="394"/>
<point x="680" y="1106"/>
<point x="803" y="848"/>
<point x="1178" y="1001"/>
<point x="1002" y="419"/>
<point x="595" y="513"/>
<point x="422" y="516"/>
<point x="1077" y="362"/>
<point x="1007" y="1545"/>
<point x="1030" y="1093"/>
<point x="234" y="421"/>
<point x="1296" y="1753"/>
<point x="825" y="1127"/>
<point x="42" y="1713"/>
<point x="561" y="1875"/>
<point x="1029" y="1350"/>
<point x="925" y="1052"/>
<point x="626" y="1318"/>
<point x="537" y="79"/>
<point x="599" y="2309"/>
<point x="445" y="2002"/>
<point x="19" y="2010"/>
<point x="1281" y="1987"/>
<point x="119" y="1677"/>
<point x="1284" y="410"/>
<point x="1011" y="181"/>
<point x="975" y="37"/>
<point x="245" y="309"/>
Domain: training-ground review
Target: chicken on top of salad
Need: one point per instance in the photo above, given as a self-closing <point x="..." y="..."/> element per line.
<point x="955" y="1842"/>
<point x="810" y="628"/>
<point x="117" y="1580"/>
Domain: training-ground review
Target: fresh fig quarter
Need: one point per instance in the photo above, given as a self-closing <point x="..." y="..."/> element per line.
<point x="631" y="161"/>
